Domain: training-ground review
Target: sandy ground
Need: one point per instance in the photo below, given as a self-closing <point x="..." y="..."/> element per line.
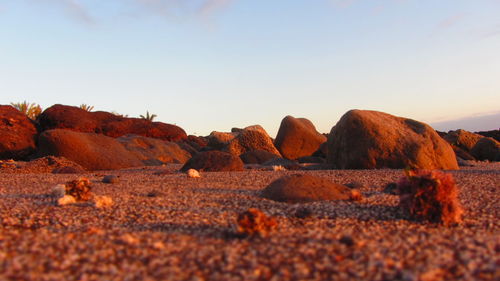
<point x="169" y="227"/>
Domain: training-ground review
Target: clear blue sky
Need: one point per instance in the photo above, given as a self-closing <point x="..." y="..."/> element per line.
<point x="216" y="64"/>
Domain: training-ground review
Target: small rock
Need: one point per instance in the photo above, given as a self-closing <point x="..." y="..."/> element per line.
<point x="103" y="201"/>
<point x="347" y="240"/>
<point x="355" y="184"/>
<point x="391" y="188"/>
<point x="154" y="193"/>
<point x="58" y="190"/>
<point x="65" y="200"/>
<point x="303" y="213"/>
<point x="356" y="195"/>
<point x="278" y="168"/>
<point x="192" y="173"/>
<point x="110" y="179"/>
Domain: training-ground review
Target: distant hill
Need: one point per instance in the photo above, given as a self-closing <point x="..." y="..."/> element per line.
<point x="473" y="124"/>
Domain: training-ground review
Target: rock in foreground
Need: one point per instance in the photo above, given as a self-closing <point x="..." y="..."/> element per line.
<point x="305" y="188"/>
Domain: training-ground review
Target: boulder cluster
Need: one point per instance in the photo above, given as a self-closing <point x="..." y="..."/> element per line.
<point x="361" y="139"/>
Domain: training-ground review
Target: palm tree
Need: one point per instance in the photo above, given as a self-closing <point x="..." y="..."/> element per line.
<point x="32" y="110"/>
<point x="86" y="107"/>
<point x="148" y="117"/>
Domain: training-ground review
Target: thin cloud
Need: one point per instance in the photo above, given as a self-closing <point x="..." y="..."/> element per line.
<point x="184" y="8"/>
<point x="492" y="32"/>
<point x="451" y="21"/>
<point x="78" y="11"/>
<point x="74" y="8"/>
<point x="212" y="6"/>
<point x="343" y="3"/>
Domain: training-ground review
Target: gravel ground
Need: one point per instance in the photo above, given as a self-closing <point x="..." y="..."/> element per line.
<point x="165" y="226"/>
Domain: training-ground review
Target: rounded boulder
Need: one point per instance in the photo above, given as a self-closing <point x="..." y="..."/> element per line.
<point x="364" y="139"/>
<point x="17" y="134"/>
<point x="92" y="151"/>
<point x="214" y="161"/>
<point x="302" y="188"/>
<point x="297" y="137"/>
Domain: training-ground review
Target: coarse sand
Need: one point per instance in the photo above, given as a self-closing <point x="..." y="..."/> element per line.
<point x="166" y="226"/>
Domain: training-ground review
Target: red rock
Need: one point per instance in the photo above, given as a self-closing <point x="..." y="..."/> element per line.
<point x="92" y="151"/>
<point x="462" y="139"/>
<point x="77" y="119"/>
<point x="218" y="140"/>
<point x="257" y="156"/>
<point x="69" y="117"/>
<point x="145" y="128"/>
<point x="17" y="134"/>
<point x="297" y="137"/>
<point x="214" y="161"/>
<point x="251" y="138"/>
<point x="365" y="139"/>
<point x="197" y="142"/>
<point x="486" y="149"/>
<point x="305" y="188"/>
<point x="154" y="151"/>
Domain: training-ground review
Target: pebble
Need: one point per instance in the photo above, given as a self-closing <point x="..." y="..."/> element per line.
<point x="110" y="179"/>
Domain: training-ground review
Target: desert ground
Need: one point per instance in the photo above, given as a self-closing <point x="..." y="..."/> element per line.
<point x="164" y="225"/>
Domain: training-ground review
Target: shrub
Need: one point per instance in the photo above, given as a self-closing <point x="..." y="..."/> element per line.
<point x="430" y="195"/>
<point x="254" y="222"/>
<point x="80" y="189"/>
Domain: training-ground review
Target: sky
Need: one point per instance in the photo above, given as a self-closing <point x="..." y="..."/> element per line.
<point x="211" y="65"/>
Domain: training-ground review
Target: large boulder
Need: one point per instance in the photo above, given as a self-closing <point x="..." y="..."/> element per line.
<point x="214" y="161"/>
<point x="251" y="138"/>
<point x="73" y="118"/>
<point x="142" y="127"/>
<point x="365" y="139"/>
<point x="492" y="134"/>
<point x="301" y="188"/>
<point x="17" y="134"/>
<point x="154" y="151"/>
<point x="297" y="137"/>
<point x="218" y="140"/>
<point x="76" y="119"/>
<point x="92" y="151"/>
<point x="462" y="139"/>
<point x="486" y="149"/>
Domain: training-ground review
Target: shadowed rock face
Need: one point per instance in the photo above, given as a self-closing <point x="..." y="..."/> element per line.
<point x="77" y="119"/>
<point x="365" y="139"/>
<point x="17" y="134"/>
<point x="487" y="149"/>
<point x="470" y="146"/>
<point x="257" y="156"/>
<point x="92" y="151"/>
<point x="305" y="188"/>
<point x="154" y="151"/>
<point x="463" y="139"/>
<point x="297" y="137"/>
<point x="214" y="161"/>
